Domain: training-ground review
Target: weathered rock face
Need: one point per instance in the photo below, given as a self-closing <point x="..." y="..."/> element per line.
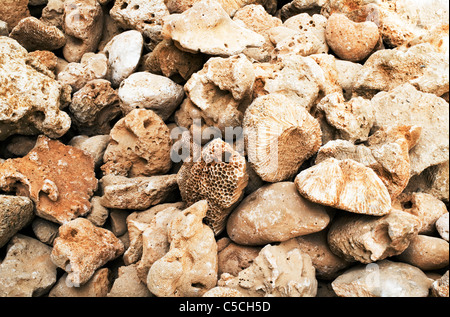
<point x="30" y="98"/>
<point x="12" y="11"/>
<point x="233" y="258"/>
<point x="82" y="248"/>
<point x="97" y="286"/>
<point x="275" y="213"/>
<point x="189" y="268"/>
<point x="382" y="279"/>
<point x="282" y="271"/>
<point x="439" y="288"/>
<point x="128" y="284"/>
<point x="16" y="212"/>
<point x="60" y="179"/>
<point x="27" y="269"/>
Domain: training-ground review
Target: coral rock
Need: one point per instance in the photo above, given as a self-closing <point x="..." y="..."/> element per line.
<point x="139" y="146"/>
<point x="12" y="11"/>
<point x="206" y="27"/>
<point x="60" y="179"/>
<point x="82" y="248"/>
<point x="281" y="271"/>
<point x="219" y="177"/>
<point x="97" y="286"/>
<point x="15" y="214"/>
<point x="219" y="291"/>
<point x="189" y="268"/>
<point x="346" y="185"/>
<point x="230" y="6"/>
<point x="233" y="257"/>
<point x="127" y="284"/>
<point x="274" y="213"/>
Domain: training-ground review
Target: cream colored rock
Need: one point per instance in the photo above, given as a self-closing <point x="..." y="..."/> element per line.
<point x="97" y="286"/>
<point x="124" y="53"/>
<point x="82" y="248"/>
<point x="94" y="146"/>
<point x="280" y="135"/>
<point x="353" y="119"/>
<point x="327" y="264"/>
<point x="280" y="271"/>
<point x="369" y="239"/>
<point x="233" y="258"/>
<point x="189" y="268"/>
<point x="427" y="253"/>
<point x="419" y="65"/>
<point x="77" y="75"/>
<point x="230" y="6"/>
<point x="275" y="213"/>
<point x="219" y="177"/>
<point x="138" y="193"/>
<point x="347" y="76"/>
<point x="442" y="226"/>
<point x="439" y="288"/>
<point x="206" y="27"/>
<point x="346" y="185"/>
<point x="60" y="179"/>
<point x="150" y="91"/>
<point x="313" y="25"/>
<point x="410" y="106"/>
<point x="144" y="16"/>
<point x="53" y="13"/>
<point x="127" y="284"/>
<point x="426" y="207"/>
<point x="382" y="279"/>
<point x="30" y="98"/>
<point x="219" y="291"/>
<point x="139" y="146"/>
<point x="83" y="27"/>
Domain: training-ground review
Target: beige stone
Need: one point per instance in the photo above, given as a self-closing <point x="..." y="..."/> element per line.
<point x="12" y="11"/>
<point x="410" y="106"/>
<point x="82" y="248"/>
<point x="47" y="58"/>
<point x="26" y="270"/>
<point x="53" y="13"/>
<point x="138" y="193"/>
<point x="219" y="177"/>
<point x="16" y="212"/>
<point x="127" y="284"/>
<point x="280" y="135"/>
<point x="44" y="230"/>
<point x="442" y="226"/>
<point x="439" y="288"/>
<point x="382" y="279"/>
<point x="426" y="207"/>
<point x="275" y="213"/>
<point x="95" y="146"/>
<point x="83" y="27"/>
<point x="369" y="239"/>
<point x="189" y="268"/>
<point x="312" y="25"/>
<point x="30" y="98"/>
<point x="347" y="76"/>
<point x="34" y="34"/>
<point x="233" y="258"/>
<point x="346" y="185"/>
<point x="97" y="286"/>
<point x="280" y="271"/>
<point x="427" y="253"/>
<point x="60" y="179"/>
<point x="206" y="27"/>
<point x="150" y="91"/>
<point x="297" y="7"/>
<point x="327" y="264"/>
<point x="230" y="6"/>
<point x="139" y="146"/>
<point x="219" y="291"/>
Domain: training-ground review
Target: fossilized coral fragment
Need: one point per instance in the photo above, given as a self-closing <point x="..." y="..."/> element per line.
<point x="280" y="136"/>
<point x="219" y="177"/>
<point x="346" y="185"/>
<point x="60" y="179"/>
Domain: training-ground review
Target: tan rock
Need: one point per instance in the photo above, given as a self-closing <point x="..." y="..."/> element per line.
<point x="442" y="226"/>
<point x="426" y="253"/>
<point x="349" y="40"/>
<point x="82" y="248"/>
<point x="143" y="16"/>
<point x="275" y="125"/>
<point x="281" y="271"/>
<point x="410" y="106"/>
<point x="34" y="34"/>
<point x="426" y="207"/>
<point x="53" y="13"/>
<point x="94" y="146"/>
<point x="127" y="284"/>
<point x="26" y="270"/>
<point x="139" y="146"/>
<point x="15" y="214"/>
<point x="97" y="286"/>
<point x="206" y="27"/>
<point x="219" y="291"/>
<point x="94" y="106"/>
<point x="59" y="179"/>
<point x="439" y="288"/>
<point x="382" y="279"/>
<point x="346" y="185"/>
<point x="347" y="76"/>
<point x="12" y="11"/>
<point x="419" y="65"/>
<point x="168" y="60"/>
<point x="369" y="239"/>
<point x="83" y="26"/>
<point x="47" y="58"/>
<point x="138" y="193"/>
<point x="150" y="91"/>
<point x="275" y="213"/>
<point x="233" y="258"/>
<point x="30" y="102"/>
<point x="327" y="264"/>
<point x="297" y="7"/>
<point x="230" y="6"/>
<point x="189" y="268"/>
<point x="44" y="230"/>
<point x="219" y="177"/>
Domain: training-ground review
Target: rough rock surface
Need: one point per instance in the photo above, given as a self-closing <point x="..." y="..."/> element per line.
<point x="128" y="284"/>
<point x="439" y="288"/>
<point x="233" y="258"/>
<point x="12" y="11"/>
<point x="442" y="226"/>
<point x="16" y="212"/>
<point x="97" y="286"/>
